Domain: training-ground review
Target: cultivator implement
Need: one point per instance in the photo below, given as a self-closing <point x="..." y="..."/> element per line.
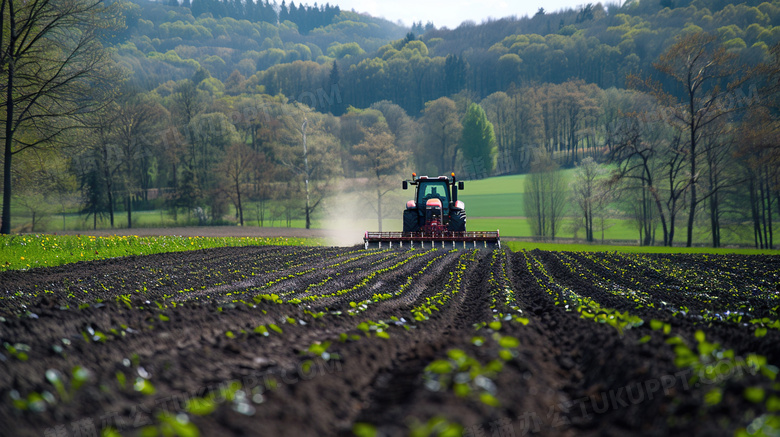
<point x="442" y="240"/>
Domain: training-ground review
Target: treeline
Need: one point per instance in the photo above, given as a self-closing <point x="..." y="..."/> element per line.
<point x="598" y="44"/>
<point x="305" y="17"/>
<point x="602" y="50"/>
<point x="163" y="42"/>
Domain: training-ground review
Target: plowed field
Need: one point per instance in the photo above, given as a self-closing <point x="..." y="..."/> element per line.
<point x="341" y="341"/>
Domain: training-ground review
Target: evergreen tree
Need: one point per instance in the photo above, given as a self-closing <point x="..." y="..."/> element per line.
<point x="455" y="74"/>
<point x="477" y="142"/>
<point x="337" y="108"/>
<point x="284" y="13"/>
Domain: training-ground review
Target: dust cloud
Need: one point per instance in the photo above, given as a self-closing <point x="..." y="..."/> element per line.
<point x="348" y="215"/>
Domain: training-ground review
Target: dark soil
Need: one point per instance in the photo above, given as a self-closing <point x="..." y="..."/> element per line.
<point x="157" y="334"/>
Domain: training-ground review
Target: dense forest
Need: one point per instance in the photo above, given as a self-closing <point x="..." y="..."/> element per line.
<point x="667" y="109"/>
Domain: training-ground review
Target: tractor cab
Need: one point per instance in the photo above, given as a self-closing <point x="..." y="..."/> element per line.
<point x="444" y="188"/>
<point x="434" y="189"/>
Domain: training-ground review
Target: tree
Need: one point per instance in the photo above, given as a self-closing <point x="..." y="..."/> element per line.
<point x="51" y="57"/>
<point x="211" y="134"/>
<point x="41" y="177"/>
<point x="236" y="170"/>
<point x="477" y="140"/>
<point x="378" y="158"/>
<point x="708" y="74"/>
<point x="102" y="163"/>
<point x="545" y="196"/>
<point x="589" y="192"/>
<point x="136" y="124"/>
<point x="650" y="159"/>
<point x="308" y="149"/>
<point x="442" y="132"/>
<point x="405" y="129"/>
<point x="334" y="80"/>
<point x="759" y="157"/>
<point x="188" y="101"/>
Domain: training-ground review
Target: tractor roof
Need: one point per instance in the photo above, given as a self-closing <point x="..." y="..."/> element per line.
<point x="417" y="179"/>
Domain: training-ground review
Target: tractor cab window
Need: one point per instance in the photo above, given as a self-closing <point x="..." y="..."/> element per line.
<point x="434" y="190"/>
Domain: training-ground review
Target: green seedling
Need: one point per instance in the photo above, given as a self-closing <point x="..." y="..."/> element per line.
<point x="144" y="387"/>
<point x="79" y="377"/>
<point x="18" y="350"/>
<point x="465" y="375"/>
<point x="169" y="425"/>
<point x="362" y="429"/>
<point x="320" y="349"/>
<point x="754" y="394"/>
<point x="435" y="426"/>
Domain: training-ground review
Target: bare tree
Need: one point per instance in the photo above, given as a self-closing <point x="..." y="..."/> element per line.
<point x="378" y="157"/>
<point x="760" y="158"/>
<point x="137" y="122"/>
<point x="50" y="59"/>
<point x="308" y="149"/>
<point x="237" y="169"/>
<point x="590" y="192"/>
<point x="545" y="196"/>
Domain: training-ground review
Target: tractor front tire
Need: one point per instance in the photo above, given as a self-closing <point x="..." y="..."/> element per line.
<point x="457" y="221"/>
<point x="411" y="221"/>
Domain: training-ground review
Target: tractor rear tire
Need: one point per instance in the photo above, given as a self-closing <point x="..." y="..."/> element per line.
<point x="457" y="221"/>
<point x="411" y="221"/>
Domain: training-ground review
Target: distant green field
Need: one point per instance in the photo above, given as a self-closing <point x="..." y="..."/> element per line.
<point x="500" y="196"/>
<point x="513" y="227"/>
<point x="494" y="205"/>
<point x="513" y="184"/>
<point x="521" y="245"/>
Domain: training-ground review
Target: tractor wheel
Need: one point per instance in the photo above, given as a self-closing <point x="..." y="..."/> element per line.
<point x="457" y="221"/>
<point x="411" y="221"/>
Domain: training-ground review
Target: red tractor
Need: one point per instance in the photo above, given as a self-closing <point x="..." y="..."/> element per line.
<point x="435" y="207"/>
<point x="435" y="218"/>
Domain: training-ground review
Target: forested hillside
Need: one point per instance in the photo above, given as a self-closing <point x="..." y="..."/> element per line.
<point x="667" y="109"/>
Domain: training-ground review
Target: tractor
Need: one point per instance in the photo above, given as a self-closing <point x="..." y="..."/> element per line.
<point x="434" y="218"/>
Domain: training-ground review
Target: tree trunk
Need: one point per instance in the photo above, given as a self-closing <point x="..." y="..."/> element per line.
<point x="762" y="195"/>
<point x="661" y="214"/>
<point x="109" y="184"/>
<point x="777" y="200"/>
<point x="692" y="212"/>
<point x="306" y="162"/>
<point x="5" y="227"/>
<point x="129" y="211"/>
<point x="714" y="220"/>
<point x="111" y="206"/>
<point x="770" y="240"/>
<point x="7" y="155"/>
<point x="754" y="210"/>
<point x="240" y="208"/>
